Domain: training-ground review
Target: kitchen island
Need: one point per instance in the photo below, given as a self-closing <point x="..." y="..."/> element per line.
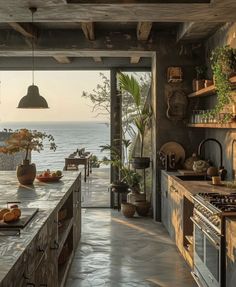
<point x="40" y="253"/>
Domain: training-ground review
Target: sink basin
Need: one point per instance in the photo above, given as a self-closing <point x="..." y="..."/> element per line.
<point x="191" y="177"/>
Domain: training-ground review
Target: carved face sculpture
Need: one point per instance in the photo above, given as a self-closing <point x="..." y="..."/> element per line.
<point x="177" y="105"/>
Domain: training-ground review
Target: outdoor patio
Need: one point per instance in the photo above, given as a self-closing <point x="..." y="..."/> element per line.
<point x="95" y="192"/>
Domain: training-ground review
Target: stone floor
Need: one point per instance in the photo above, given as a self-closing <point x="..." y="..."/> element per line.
<point x="119" y="252"/>
<point x="95" y="191"/>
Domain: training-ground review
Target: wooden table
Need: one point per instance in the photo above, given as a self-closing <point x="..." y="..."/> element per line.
<point x="82" y="160"/>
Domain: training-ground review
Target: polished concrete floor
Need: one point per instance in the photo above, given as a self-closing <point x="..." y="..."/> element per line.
<point x="95" y="191"/>
<point x="119" y="252"/>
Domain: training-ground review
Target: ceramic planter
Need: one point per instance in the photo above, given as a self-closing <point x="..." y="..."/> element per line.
<point x="26" y="173"/>
<point x="142" y="207"/>
<point x="141" y="162"/>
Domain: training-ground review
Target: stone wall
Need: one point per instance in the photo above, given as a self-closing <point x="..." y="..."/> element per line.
<point x="9" y="161"/>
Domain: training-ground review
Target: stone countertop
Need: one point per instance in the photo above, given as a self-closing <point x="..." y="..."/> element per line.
<point x="195" y="186"/>
<point x="44" y="196"/>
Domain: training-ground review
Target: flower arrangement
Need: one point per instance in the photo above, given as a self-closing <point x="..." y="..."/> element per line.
<point x="27" y="140"/>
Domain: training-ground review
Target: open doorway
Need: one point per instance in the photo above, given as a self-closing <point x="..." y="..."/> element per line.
<point x="71" y="120"/>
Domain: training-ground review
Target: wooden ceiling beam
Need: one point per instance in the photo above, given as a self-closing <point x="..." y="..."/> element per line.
<point x="88" y="29"/>
<point x="143" y="30"/>
<point x="134" y="60"/>
<point x="62" y="59"/>
<point x="25" y="29"/>
<point x="216" y="11"/>
<point x="51" y="44"/>
<point x="196" y="31"/>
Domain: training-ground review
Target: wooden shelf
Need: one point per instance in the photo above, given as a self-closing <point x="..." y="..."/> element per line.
<point x="213" y="126"/>
<point x="209" y="90"/>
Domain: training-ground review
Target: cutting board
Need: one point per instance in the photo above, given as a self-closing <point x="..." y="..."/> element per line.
<point x="26" y="215"/>
<point x="189" y="172"/>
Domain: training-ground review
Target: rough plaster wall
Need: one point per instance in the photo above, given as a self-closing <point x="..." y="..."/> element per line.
<point x="224" y="36"/>
<point x="172" y="54"/>
<point x="169" y="55"/>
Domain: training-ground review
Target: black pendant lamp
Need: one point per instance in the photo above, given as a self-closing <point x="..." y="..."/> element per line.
<point x="33" y="100"/>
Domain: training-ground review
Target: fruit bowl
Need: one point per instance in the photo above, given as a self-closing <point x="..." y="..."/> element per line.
<point x="49" y="178"/>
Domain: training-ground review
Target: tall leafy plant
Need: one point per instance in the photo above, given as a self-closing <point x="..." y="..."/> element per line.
<point x="142" y="114"/>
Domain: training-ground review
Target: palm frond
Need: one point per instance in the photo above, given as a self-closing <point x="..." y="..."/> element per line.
<point x="130" y="84"/>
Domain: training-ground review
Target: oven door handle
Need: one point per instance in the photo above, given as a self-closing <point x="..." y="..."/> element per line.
<point x="206" y="232"/>
<point x="195" y="222"/>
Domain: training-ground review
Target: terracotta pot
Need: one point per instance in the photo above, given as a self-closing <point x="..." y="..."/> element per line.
<point x="26" y="173"/>
<point x="142" y="207"/>
<point x="128" y="209"/>
<point x="141" y="162"/>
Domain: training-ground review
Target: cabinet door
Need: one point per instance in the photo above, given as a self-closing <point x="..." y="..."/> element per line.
<point x="176" y="213"/>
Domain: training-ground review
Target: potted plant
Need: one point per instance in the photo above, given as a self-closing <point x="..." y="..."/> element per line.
<point x="26" y="140"/>
<point x="199" y="82"/>
<point x="128" y="180"/>
<point x="223" y="63"/>
<point x="143" y="115"/>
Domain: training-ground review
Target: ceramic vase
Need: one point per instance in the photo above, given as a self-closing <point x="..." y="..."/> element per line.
<point x="26" y="173"/>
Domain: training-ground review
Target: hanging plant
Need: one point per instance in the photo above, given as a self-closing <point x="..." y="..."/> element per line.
<point x="223" y="63"/>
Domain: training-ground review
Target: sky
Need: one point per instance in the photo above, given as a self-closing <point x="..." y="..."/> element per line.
<point x="61" y="89"/>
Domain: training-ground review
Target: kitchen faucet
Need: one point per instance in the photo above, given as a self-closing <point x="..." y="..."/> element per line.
<point x="222" y="171"/>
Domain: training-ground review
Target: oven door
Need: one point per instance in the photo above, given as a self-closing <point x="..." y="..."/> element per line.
<point x="207" y="261"/>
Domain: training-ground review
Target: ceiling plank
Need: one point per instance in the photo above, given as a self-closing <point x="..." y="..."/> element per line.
<point x="88" y="29"/>
<point x="143" y="30"/>
<point x="62" y="59"/>
<point x="134" y="60"/>
<point x="97" y="59"/>
<point x="196" y="31"/>
<point x="25" y="29"/>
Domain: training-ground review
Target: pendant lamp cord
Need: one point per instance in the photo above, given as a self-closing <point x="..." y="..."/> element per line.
<point x="33" y="10"/>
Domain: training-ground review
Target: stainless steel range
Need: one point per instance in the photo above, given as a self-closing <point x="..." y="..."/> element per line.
<point x="210" y="210"/>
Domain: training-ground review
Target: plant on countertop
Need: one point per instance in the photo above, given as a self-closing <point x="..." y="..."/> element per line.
<point x="27" y="140"/>
<point x="223" y="63"/>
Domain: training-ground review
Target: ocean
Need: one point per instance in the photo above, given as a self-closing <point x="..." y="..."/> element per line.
<point x="69" y="136"/>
